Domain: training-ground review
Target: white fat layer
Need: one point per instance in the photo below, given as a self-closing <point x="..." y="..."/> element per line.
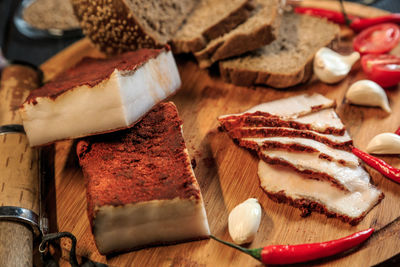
<point x="337" y="154"/>
<point x="152" y="222"/>
<point x="159" y="78"/>
<point x="351" y="178"/>
<point x="321" y="120"/>
<point x="352" y="204"/>
<point x="333" y="138"/>
<point x="291" y="107"/>
<point x="114" y="103"/>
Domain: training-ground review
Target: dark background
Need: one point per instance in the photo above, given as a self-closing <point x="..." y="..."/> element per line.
<point x="16" y="46"/>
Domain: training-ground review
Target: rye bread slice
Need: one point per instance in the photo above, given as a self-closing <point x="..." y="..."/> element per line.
<point x="286" y="61"/>
<point x="209" y="20"/>
<point x="126" y="25"/>
<point x="257" y="31"/>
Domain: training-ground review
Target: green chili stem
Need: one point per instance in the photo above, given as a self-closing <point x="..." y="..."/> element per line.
<point x="255" y="253"/>
<point x="346" y="18"/>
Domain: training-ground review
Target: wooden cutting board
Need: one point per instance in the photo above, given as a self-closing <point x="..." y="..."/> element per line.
<point x="227" y="174"/>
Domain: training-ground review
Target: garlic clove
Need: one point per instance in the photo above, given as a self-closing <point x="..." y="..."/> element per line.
<point x="384" y="143"/>
<point x="244" y="220"/>
<point x="331" y="67"/>
<point x="368" y="93"/>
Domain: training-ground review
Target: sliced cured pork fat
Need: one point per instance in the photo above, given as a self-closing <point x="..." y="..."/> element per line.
<point x="99" y="95"/>
<point x="291" y="107"/>
<point x="302" y="145"/>
<point x="334" y="141"/>
<point x="283" y="185"/>
<point x="348" y="178"/>
<point x="141" y="189"/>
<point x="324" y="121"/>
<point x="306" y="158"/>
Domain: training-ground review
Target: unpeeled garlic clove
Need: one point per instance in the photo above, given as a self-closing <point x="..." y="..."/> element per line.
<point x="384" y="143"/>
<point x="368" y="93"/>
<point x="331" y="67"/>
<point x="244" y="220"/>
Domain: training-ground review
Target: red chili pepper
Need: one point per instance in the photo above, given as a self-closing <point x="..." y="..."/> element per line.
<point x="359" y="24"/>
<point x="288" y="254"/>
<point x="356" y="23"/>
<point x="378" y="164"/>
<point x="397" y="131"/>
<point x="331" y="15"/>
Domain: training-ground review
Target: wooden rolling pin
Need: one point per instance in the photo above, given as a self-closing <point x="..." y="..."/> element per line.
<point x="19" y="173"/>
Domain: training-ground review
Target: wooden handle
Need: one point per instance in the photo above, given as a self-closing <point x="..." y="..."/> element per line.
<point x="16" y="244"/>
<point x="19" y="179"/>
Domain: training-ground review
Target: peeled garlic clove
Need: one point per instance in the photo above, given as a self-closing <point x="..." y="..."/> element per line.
<point x="368" y="93"/>
<point x="384" y="143"/>
<point x="244" y="220"/>
<point x="331" y="67"/>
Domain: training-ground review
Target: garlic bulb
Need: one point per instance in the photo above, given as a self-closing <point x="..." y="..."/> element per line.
<point x="331" y="67"/>
<point x="368" y="93"/>
<point x="384" y="143"/>
<point x="244" y="220"/>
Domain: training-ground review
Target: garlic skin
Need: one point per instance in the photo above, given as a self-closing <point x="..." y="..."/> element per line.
<point x="368" y="93"/>
<point x="384" y="143"/>
<point x="331" y="67"/>
<point x="244" y="220"/>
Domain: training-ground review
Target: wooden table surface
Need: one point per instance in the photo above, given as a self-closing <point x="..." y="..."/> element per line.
<point x="227" y="174"/>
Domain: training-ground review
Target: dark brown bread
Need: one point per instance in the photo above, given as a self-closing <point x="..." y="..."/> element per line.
<point x="117" y="26"/>
<point x="286" y="61"/>
<point x="257" y="31"/>
<point x="209" y="20"/>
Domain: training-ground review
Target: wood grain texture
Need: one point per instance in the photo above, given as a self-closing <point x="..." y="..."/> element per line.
<point x="16" y="245"/>
<point x="227" y="174"/>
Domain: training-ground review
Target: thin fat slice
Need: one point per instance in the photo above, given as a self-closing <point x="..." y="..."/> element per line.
<point x="283" y="185"/>
<point x="324" y="121"/>
<point x="347" y="178"/>
<point x="301" y="145"/>
<point x="99" y="95"/>
<point x="334" y="141"/>
<point x="291" y="107"/>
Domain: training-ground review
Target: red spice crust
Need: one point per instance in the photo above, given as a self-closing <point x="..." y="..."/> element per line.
<point x="261" y="119"/>
<point x="239" y="133"/>
<point x="307" y="206"/>
<point x="146" y="162"/>
<point x="92" y="71"/>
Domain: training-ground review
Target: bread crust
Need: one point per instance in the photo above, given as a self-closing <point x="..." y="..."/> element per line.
<point x="243" y="77"/>
<point x="112" y="27"/>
